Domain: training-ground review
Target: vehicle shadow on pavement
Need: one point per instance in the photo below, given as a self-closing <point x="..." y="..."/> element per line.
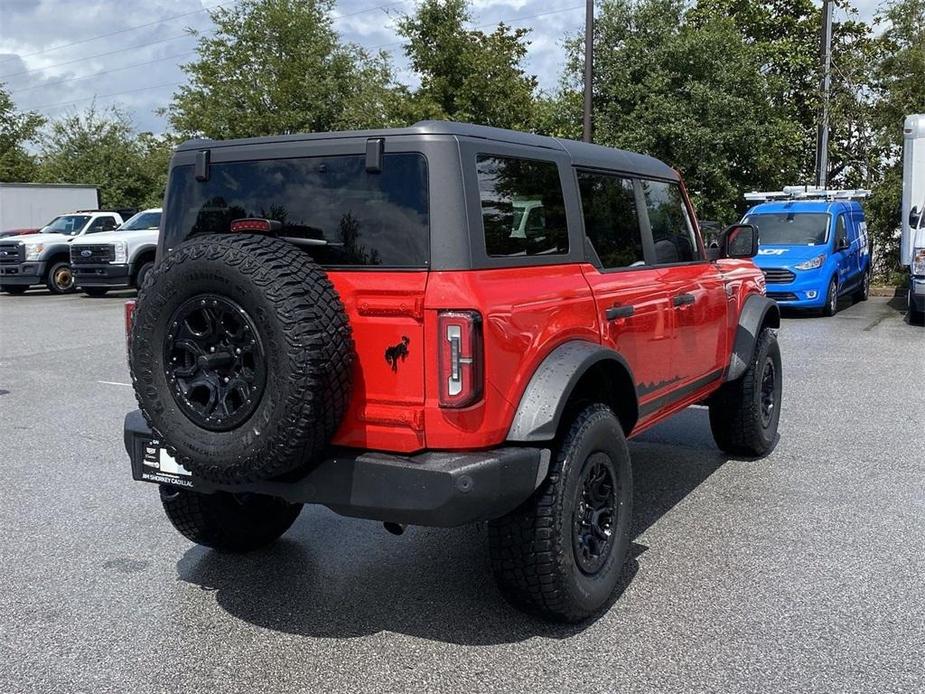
<point x="337" y="577"/>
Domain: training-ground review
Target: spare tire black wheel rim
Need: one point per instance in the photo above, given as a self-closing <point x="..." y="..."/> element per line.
<point x="768" y="393"/>
<point x="214" y="362"/>
<point x="595" y="514"/>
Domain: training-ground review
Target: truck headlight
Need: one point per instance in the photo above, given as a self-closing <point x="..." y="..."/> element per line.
<point x="34" y="250"/>
<point x="918" y="261"/>
<point x="121" y="252"/>
<point x="812" y="263"/>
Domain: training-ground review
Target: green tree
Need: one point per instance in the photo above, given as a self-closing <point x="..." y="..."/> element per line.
<point x="693" y="93"/>
<point x="101" y="148"/>
<point x="467" y="74"/>
<point x="278" y="66"/>
<point x="16" y="131"/>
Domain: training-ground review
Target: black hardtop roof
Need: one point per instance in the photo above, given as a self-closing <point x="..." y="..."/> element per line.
<point x="581" y="153"/>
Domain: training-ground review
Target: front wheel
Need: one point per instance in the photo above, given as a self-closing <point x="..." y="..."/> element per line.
<point x="228" y="522"/>
<point x="60" y="278"/>
<point x="744" y="414"/>
<point x="561" y="553"/>
<point x="831" y="299"/>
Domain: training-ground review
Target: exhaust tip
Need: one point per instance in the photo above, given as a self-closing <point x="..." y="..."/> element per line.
<point x="394" y="528"/>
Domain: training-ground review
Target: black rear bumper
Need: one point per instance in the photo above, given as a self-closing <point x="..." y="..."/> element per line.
<point x="443" y="489"/>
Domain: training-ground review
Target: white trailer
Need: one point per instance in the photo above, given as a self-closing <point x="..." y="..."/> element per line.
<point x="33" y="205"/>
<point x="912" y="243"/>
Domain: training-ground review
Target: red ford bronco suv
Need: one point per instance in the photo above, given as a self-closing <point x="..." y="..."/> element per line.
<point x="438" y="325"/>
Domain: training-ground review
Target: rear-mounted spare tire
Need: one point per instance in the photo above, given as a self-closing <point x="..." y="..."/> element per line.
<point x="241" y="357"/>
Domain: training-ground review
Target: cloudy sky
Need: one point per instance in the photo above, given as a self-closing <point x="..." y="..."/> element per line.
<point x="57" y="55"/>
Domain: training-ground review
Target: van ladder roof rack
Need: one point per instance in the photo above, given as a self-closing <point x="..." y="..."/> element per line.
<point x="808" y="193"/>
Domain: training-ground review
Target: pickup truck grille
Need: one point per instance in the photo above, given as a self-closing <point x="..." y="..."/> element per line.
<point x="11" y="253"/>
<point x="99" y="253"/>
<point x="775" y="275"/>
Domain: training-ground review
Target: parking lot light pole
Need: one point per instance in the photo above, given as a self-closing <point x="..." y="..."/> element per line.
<point x="589" y="68"/>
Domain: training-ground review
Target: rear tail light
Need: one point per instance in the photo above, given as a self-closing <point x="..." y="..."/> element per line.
<point x="129" y="312"/>
<point x="460" y="358"/>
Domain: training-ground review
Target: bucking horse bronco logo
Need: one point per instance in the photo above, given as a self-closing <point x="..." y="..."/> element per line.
<point x="396" y="352"/>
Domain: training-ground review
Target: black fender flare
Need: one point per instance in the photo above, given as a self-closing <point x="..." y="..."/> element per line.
<point x="757" y="312"/>
<point x="543" y="402"/>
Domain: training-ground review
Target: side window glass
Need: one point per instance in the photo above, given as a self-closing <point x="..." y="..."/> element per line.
<point x="841" y="232"/>
<point x="95" y="225"/>
<point x="611" y="222"/>
<point x="672" y="232"/>
<point x="523" y="210"/>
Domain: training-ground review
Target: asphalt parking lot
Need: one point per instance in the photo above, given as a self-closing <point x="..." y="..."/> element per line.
<point x="804" y="571"/>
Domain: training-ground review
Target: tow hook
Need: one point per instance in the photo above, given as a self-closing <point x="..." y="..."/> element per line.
<point x="394" y="528"/>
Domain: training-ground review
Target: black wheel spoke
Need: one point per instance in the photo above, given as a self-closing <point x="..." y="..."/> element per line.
<point x="595" y="514"/>
<point x="215" y="362"/>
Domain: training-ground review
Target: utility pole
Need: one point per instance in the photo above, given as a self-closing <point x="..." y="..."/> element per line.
<point x="589" y="67"/>
<point x="822" y="137"/>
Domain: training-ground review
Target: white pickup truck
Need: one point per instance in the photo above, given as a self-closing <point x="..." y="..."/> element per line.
<point x="118" y="259"/>
<point x="43" y="258"/>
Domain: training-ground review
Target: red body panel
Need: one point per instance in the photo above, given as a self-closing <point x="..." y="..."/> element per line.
<point x="528" y="312"/>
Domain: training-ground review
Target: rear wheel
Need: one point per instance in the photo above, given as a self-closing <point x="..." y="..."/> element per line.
<point x="744" y="414"/>
<point x="60" y="278"/>
<point x="863" y="292"/>
<point x="561" y="553"/>
<point x="95" y="291"/>
<point x="13" y="288"/>
<point x="228" y="522"/>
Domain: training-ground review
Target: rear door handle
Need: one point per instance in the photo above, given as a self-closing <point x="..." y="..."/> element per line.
<point x="683" y="299"/>
<point x="618" y="312"/>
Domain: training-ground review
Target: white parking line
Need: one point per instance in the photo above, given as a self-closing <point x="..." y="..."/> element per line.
<point x="115" y="383"/>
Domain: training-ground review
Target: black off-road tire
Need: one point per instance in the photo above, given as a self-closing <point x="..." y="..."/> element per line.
<point x="301" y="328"/>
<point x="831" y="299"/>
<point x="737" y="416"/>
<point x="863" y="292"/>
<point x="60" y="279"/>
<point x="533" y="548"/>
<point x="14" y="288"/>
<point x="94" y="291"/>
<point x="228" y="522"/>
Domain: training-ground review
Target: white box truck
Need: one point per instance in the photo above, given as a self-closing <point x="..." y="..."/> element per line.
<point x="33" y="205"/>
<point x="912" y="240"/>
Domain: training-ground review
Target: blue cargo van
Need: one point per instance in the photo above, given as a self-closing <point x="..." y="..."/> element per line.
<point x="812" y="251"/>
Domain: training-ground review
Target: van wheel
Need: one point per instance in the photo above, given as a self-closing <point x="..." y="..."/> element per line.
<point x="863" y="292"/>
<point x="13" y="288"/>
<point x="745" y="413"/>
<point x="241" y="357"/>
<point x="60" y="278"/>
<point x="228" y="522"/>
<point x="561" y="553"/>
<point x="95" y="291"/>
<point x="831" y="299"/>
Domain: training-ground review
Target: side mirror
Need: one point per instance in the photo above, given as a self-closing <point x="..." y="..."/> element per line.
<point x="737" y="241"/>
<point x="842" y="244"/>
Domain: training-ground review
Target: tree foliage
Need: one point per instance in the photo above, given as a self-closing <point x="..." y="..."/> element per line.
<point x="278" y="66"/>
<point x="16" y="131"/>
<point x="467" y="74"/>
<point x="101" y="148"/>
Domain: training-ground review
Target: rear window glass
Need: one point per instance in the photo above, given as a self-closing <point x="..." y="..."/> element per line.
<point x="358" y="218"/>
<point x="523" y="210"/>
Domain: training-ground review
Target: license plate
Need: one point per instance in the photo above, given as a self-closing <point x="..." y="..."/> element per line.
<point x="157" y="465"/>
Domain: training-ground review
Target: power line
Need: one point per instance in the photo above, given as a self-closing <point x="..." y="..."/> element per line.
<point x="114" y="33"/>
<point x="104" y="96"/>
<point x="101" y="73"/>
<point x="98" y="55"/>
